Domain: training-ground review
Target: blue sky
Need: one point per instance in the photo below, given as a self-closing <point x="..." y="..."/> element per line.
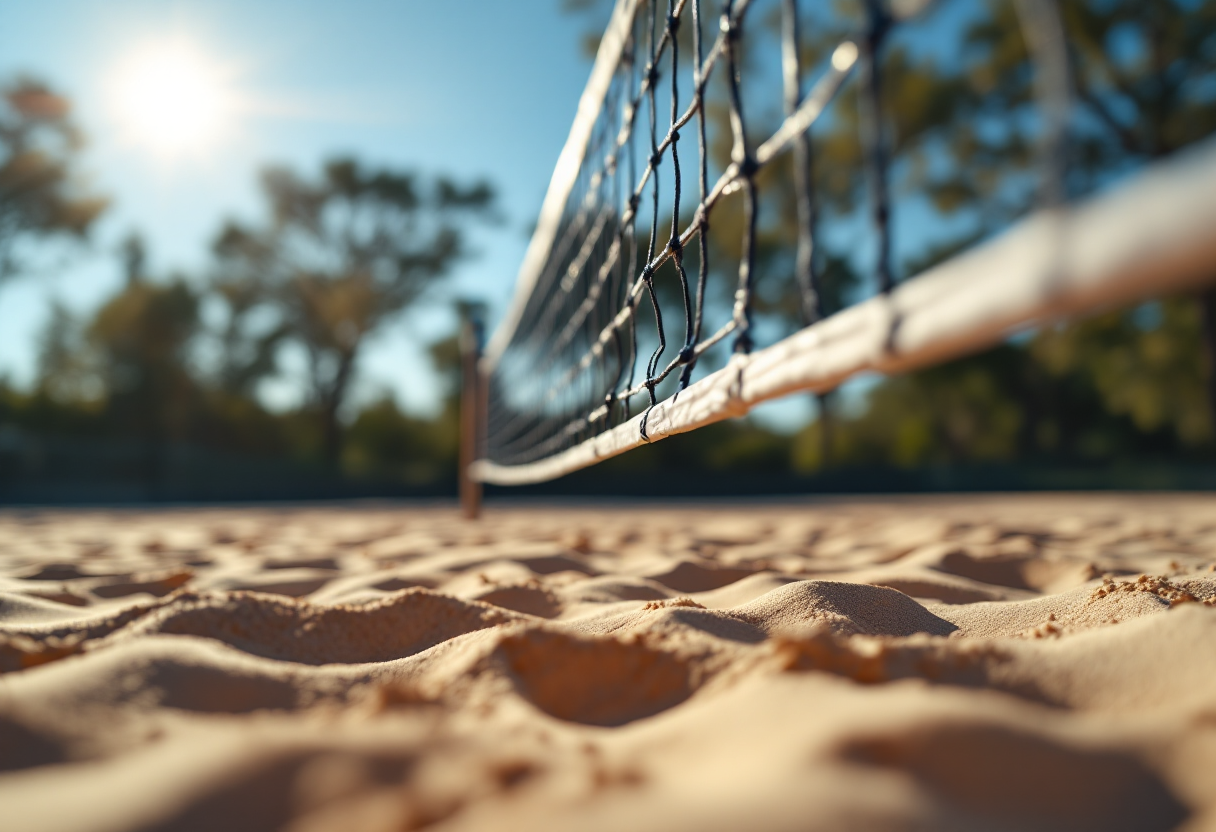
<point x="483" y="89"/>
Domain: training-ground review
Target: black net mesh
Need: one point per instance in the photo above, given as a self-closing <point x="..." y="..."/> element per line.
<point x="617" y="317"/>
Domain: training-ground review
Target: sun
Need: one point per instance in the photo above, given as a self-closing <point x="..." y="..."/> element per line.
<point x="171" y="99"/>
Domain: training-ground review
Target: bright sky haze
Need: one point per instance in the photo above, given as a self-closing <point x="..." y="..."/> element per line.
<point x="173" y="100"/>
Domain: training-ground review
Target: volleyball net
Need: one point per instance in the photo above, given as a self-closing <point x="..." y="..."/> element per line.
<point x="634" y="313"/>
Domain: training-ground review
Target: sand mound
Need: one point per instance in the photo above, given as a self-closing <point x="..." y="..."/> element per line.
<point x="845" y="608"/>
<point x="405" y="623"/>
<point x="947" y="664"/>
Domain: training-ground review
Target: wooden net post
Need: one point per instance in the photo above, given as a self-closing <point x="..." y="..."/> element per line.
<point x="471" y="403"/>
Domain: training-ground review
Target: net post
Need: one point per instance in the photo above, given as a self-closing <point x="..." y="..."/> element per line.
<point x="1207" y="306"/>
<point x="472" y="403"/>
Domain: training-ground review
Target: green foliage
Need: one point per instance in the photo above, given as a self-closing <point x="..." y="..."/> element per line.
<point x="67" y="367"/>
<point x="40" y="195"/>
<point x="384" y="443"/>
<point x="1105" y="388"/>
<point x="131" y="373"/>
<point x="142" y="339"/>
<point x="1149" y="373"/>
<point x="339" y="257"/>
<point x="965" y="411"/>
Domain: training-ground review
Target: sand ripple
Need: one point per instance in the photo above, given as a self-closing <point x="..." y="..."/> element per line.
<point x="988" y="663"/>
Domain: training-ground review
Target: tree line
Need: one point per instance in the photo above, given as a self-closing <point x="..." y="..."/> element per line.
<point x="173" y="359"/>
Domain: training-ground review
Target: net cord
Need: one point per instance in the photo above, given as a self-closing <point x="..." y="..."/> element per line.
<point x="1151" y="236"/>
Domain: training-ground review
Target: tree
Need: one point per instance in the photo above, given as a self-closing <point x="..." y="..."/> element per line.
<point x="1142" y="90"/>
<point x="251" y="333"/>
<point x="1126" y="382"/>
<point x="143" y="337"/>
<point x="340" y="256"/>
<point x="40" y="195"/>
<point x="67" y="372"/>
<point x="383" y="442"/>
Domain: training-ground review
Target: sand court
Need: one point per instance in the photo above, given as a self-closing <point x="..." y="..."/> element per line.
<point x="981" y="662"/>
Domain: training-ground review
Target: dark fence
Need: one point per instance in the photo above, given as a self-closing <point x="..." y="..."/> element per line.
<point x="50" y="469"/>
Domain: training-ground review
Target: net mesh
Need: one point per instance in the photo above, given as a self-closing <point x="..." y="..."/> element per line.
<point x="615" y="314"/>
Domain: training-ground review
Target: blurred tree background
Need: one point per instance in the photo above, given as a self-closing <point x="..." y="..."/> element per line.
<point x="156" y="395"/>
<point x="39" y="194"/>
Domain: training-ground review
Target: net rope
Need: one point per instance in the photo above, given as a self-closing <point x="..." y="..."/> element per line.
<point x="566" y="364"/>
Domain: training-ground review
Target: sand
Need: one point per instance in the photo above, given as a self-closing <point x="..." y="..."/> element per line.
<point x="949" y="663"/>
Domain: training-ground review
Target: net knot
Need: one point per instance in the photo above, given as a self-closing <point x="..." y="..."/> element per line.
<point x="728" y="27"/>
<point x="673" y="24"/>
<point x="748" y="167"/>
<point x="648" y="274"/>
<point x="655" y="159"/>
<point x="675" y="136"/>
<point x="677" y="248"/>
<point x="652" y="75"/>
<point x="687" y="354"/>
<point x="878" y="23"/>
<point x="743" y="343"/>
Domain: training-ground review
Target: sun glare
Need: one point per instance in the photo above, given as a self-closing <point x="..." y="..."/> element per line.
<point x="172" y="100"/>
